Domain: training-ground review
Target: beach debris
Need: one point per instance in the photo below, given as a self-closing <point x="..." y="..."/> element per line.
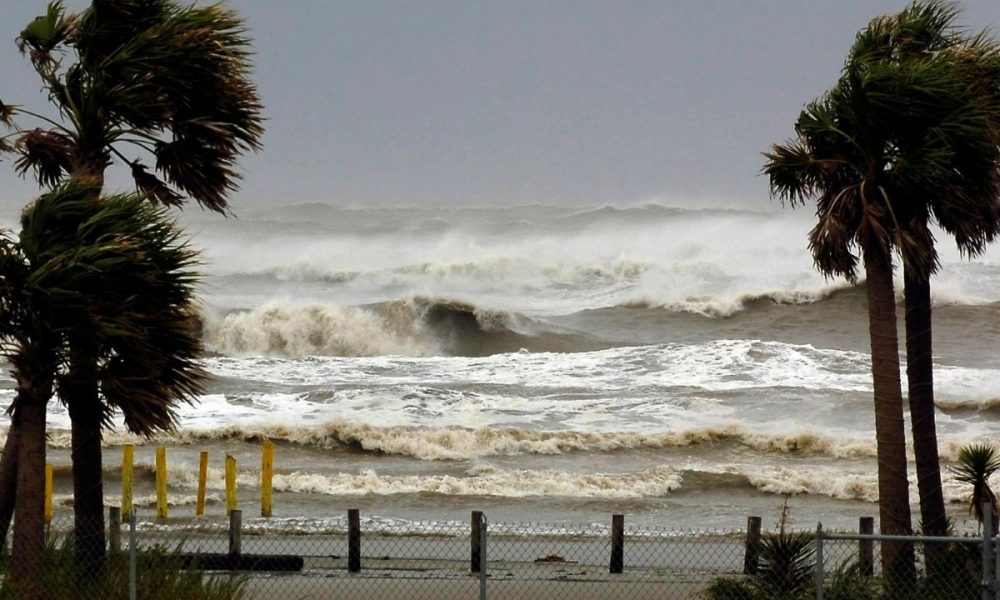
<point x="554" y="558"/>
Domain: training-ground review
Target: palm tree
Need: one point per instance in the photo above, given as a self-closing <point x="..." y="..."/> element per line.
<point x="172" y="82"/>
<point x="959" y="190"/>
<point x="28" y="344"/>
<point x="976" y="464"/>
<point x="142" y="323"/>
<point x="864" y="151"/>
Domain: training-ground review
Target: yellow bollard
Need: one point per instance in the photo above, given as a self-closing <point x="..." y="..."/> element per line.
<point x="127" y="451"/>
<point x="230" y="484"/>
<point x="48" y="494"/>
<point x="161" y="483"/>
<point x="199" y="508"/>
<point x="266" y="474"/>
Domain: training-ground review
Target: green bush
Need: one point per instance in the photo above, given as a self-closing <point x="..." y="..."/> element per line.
<point x="847" y="582"/>
<point x="159" y="578"/>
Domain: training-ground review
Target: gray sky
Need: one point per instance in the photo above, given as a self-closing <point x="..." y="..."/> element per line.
<point x="500" y="102"/>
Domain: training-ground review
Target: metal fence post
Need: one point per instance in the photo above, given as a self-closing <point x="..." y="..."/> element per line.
<point x="483" y="565"/>
<point x="996" y="570"/>
<point x="866" y="548"/>
<point x="752" y="546"/>
<point x="987" y="574"/>
<point x="475" y="539"/>
<point x="114" y="529"/>
<point x="819" y="561"/>
<point x="235" y="532"/>
<point x="353" y="540"/>
<point x="617" y="544"/>
<point x="133" y="571"/>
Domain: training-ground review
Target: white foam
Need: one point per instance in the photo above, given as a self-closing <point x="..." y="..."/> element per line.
<point x="285" y="329"/>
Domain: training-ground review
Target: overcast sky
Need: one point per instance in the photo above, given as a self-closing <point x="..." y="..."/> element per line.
<point x="500" y="102"/>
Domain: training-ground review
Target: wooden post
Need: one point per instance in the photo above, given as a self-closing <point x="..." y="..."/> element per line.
<point x="617" y="543"/>
<point x="230" y="484"/>
<point x="866" y="548"/>
<point x="115" y="529"/>
<point x="987" y="552"/>
<point x="752" y="546"/>
<point x="199" y="507"/>
<point x="476" y="554"/>
<point x="353" y="540"/>
<point x="266" y="474"/>
<point x="235" y="529"/>
<point x="161" y="483"/>
<point x="127" y="454"/>
<point x="48" y="494"/>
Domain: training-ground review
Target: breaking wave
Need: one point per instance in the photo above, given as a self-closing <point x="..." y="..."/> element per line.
<point x="416" y="326"/>
<point x="427" y="443"/>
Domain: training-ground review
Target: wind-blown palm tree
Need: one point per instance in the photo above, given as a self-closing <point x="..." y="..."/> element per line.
<point x="959" y="189"/>
<point x="71" y="244"/>
<point x="172" y="82"/>
<point x="28" y="343"/>
<point x="864" y="151"/>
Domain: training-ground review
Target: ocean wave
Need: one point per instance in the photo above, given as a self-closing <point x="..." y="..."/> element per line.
<point x="429" y="443"/>
<point x="991" y="404"/>
<point x="477" y="481"/>
<point x="831" y="481"/>
<point x="721" y="307"/>
<point x="285" y="329"/>
<point x="415" y="326"/>
<point x="144" y="500"/>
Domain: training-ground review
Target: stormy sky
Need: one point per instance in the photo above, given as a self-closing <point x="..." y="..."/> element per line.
<point x="506" y="102"/>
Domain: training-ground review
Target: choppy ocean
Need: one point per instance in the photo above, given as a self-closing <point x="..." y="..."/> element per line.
<point x="685" y="367"/>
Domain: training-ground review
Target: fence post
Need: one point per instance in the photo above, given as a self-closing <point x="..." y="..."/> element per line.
<point x="475" y="537"/>
<point x="115" y="529"/>
<point x="752" y="546"/>
<point x="127" y="454"/>
<point x="617" y="543"/>
<point x="133" y="574"/>
<point x="161" y="482"/>
<point x="266" y="476"/>
<point x="235" y="532"/>
<point x="353" y="540"/>
<point x="866" y="548"/>
<point x="484" y="561"/>
<point x="996" y="570"/>
<point x="987" y="575"/>
<point x="48" y="493"/>
<point x="199" y="507"/>
<point x="230" y="483"/>
<point x="819" y="561"/>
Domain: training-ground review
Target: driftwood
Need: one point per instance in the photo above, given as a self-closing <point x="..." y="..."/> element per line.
<point x="239" y="562"/>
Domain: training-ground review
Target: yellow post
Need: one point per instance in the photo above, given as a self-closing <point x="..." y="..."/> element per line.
<point x="48" y="494"/>
<point x="161" y="483"/>
<point x="127" y="451"/>
<point x="230" y="484"/>
<point x="199" y="508"/>
<point x="266" y="474"/>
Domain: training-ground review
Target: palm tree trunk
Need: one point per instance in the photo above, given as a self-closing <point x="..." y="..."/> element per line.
<point x="85" y="410"/>
<point x="28" y="552"/>
<point x="920" y="376"/>
<point x="890" y="430"/>
<point x="8" y="478"/>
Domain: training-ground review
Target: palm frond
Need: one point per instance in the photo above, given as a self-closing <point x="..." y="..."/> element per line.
<point x="44" y="35"/>
<point x="183" y="70"/>
<point x="155" y="190"/>
<point x="118" y="269"/>
<point x="7" y="112"/>
<point x="46" y="153"/>
<point x="976" y="464"/>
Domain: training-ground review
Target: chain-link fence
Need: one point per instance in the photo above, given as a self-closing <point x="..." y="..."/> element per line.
<point x="369" y="557"/>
